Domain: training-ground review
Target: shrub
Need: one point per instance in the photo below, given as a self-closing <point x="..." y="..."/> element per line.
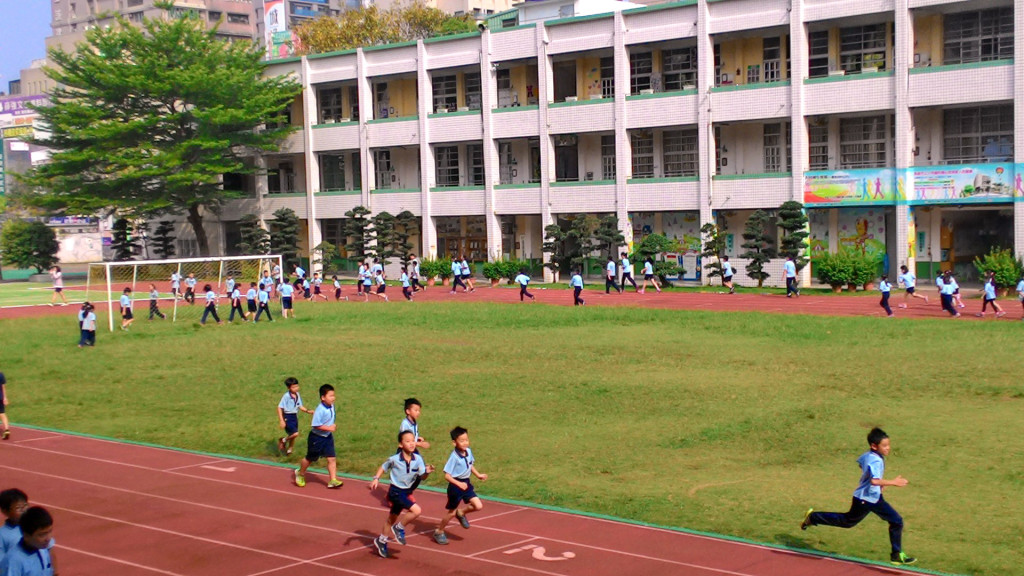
<point x="431" y="268"/>
<point x="1007" y="268"/>
<point x="29" y="244"/>
<point x="835" y="269"/>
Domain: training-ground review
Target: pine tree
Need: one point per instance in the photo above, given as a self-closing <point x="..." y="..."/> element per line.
<point x="255" y="240"/>
<point x="406" y="225"/>
<point x="121" y="241"/>
<point x="359" y="231"/>
<point x="714" y="249"/>
<point x="284" y="236"/>
<point x="793" y="222"/>
<point x="163" y="240"/>
<point x="607" y="235"/>
<point x="146" y="119"/>
<point x="385" y="236"/>
<point x="758" y="245"/>
<point x="554" y="244"/>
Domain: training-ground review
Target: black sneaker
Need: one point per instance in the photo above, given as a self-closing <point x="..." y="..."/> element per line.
<point x="807" y="519"/>
<point x="381" y="546"/>
<point x="902" y="559"/>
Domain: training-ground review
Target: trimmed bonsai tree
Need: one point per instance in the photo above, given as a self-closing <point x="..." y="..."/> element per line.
<point x="714" y="249"/>
<point x="758" y="245"/>
<point x="793" y="221"/>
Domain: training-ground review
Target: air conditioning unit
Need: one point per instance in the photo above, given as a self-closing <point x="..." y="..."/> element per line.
<point x="647" y="91"/>
<point x="837" y="72"/>
<point x="571" y="99"/>
<point x="869" y="70"/>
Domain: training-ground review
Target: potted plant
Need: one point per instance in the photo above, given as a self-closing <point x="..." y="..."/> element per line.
<point x="1007" y="268"/>
<point x="431" y="269"/>
<point x="445" y="270"/>
<point x="836" y="270"/>
<point x="494" y="271"/>
<point x="865" y="271"/>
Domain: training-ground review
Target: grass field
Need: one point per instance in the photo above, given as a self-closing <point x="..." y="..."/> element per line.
<point x="732" y="423"/>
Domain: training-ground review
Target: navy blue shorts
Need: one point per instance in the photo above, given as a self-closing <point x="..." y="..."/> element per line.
<point x="318" y="447"/>
<point x="316" y="290"/>
<point x="251" y="304"/>
<point x="305" y="293"/>
<point x="910" y="290"/>
<point x="126" y="313"/>
<point x="286" y="302"/>
<point x="291" y="423"/>
<point x="457" y="495"/>
<point x="651" y="276"/>
<point x="400" y="498"/>
<point x="381" y="288"/>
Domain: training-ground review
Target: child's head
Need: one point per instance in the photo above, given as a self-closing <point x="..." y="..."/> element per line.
<point x="127" y="290"/>
<point x="610" y="259"/>
<point x="191" y="275"/>
<point x="904" y="269"/>
<point x="407" y="441"/>
<point x="152" y="286"/>
<point x="13" y="503"/>
<point x="292" y="384"/>
<point x="36" y="527"/>
<point x="725" y="258"/>
<point x="412" y="408"/>
<point x="230" y="276"/>
<point x="335" y="277"/>
<point x="56" y="268"/>
<point x="623" y="254"/>
<point x="885" y="277"/>
<point x="316" y="274"/>
<point x="252" y="284"/>
<point x="878" y="440"/>
<point x="207" y="288"/>
<point x="460" y="437"/>
<point x="327" y="394"/>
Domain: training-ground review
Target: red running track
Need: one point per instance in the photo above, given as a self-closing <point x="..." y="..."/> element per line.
<point x="134" y="510"/>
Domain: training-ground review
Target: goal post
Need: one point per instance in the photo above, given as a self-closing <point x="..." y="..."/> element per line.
<point x="107" y="280"/>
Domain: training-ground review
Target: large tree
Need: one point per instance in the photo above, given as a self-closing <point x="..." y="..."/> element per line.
<point x="793" y="222"/>
<point x="146" y="119"/>
<point x="372" y="26"/>
<point x="758" y="245"/>
<point x="28" y="244"/>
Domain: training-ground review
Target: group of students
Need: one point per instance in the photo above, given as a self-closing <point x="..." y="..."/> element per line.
<point x="406" y="467"/>
<point x="949" y="292"/>
<point x="26" y="537"/>
<point x="625" y="267"/>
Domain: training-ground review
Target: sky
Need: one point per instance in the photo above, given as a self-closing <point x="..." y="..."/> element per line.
<point x="24" y="26"/>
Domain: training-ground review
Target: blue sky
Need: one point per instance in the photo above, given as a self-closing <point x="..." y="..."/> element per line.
<point x="24" y="26"/>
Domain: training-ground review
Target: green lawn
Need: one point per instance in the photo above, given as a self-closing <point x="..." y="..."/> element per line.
<point x="731" y="423"/>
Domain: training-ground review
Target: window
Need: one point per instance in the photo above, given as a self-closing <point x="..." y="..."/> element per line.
<point x="334" y="232"/>
<point x="773" y="157"/>
<point x="818" y="54"/>
<point x="772" y="60"/>
<point x="353" y="99"/>
<point x="135" y="17"/>
<point x="504" y="83"/>
<point x="385" y="171"/>
<point x="607" y="77"/>
<point x="506" y="163"/>
<point x="357" y="172"/>
<point x="281" y="180"/>
<point x="473" y="98"/>
<point x="332" y="172"/>
<point x="718" y="150"/>
<point x="608" y="157"/>
<point x="475" y="153"/>
<point x="679" y="68"/>
<point x="330" y="105"/>
<point x="238" y="18"/>
<point x="753" y="74"/>
<point x="718" y="64"/>
<point x="446" y="158"/>
<point x="981" y="134"/>
<point x="445" y="90"/>
<point x="134" y="3"/>
<point x="567" y="158"/>
<point x="978" y="36"/>
<point x="818" y="146"/>
<point x="640" y="68"/>
<point x="862" y="47"/>
<point x="679" y="150"/>
<point x="214" y="16"/>
<point x="642" y="143"/>
<point x="862" y="142"/>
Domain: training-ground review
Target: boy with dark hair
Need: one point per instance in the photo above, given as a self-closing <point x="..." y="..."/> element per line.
<point x="411" y="422"/>
<point x="126" y="309"/>
<point x="288" y="415"/>
<point x="627" y="272"/>
<point x="789" y="268"/>
<point x="321" y="439"/>
<point x="457" y="472"/>
<point x="609" y="277"/>
<point x="3" y="407"/>
<point x="867" y="498"/>
<point x="577" y="288"/>
<point x="407" y="470"/>
<point x="523" y="280"/>
<point x="13" y="503"/>
<point x="31" y="555"/>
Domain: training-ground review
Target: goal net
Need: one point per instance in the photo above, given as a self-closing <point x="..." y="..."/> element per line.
<point x="108" y="280"/>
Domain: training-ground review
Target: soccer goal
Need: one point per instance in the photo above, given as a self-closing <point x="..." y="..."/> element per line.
<point x="107" y="281"/>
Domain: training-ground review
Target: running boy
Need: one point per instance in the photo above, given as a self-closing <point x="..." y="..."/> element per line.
<point x="126" y="309"/>
<point x="211" y="305"/>
<point x="13" y="503"/>
<point x="909" y="282"/>
<point x="378" y="278"/>
<point x="885" y="287"/>
<point x="609" y="277"/>
<point x="467" y="274"/>
<point x="460" y="490"/>
<point x="3" y="407"/>
<point x="154" y="303"/>
<point x="457" y="276"/>
<point x="990" y="296"/>
<point x="31" y="556"/>
<point x="414" y="264"/>
<point x="406" y="284"/>
<point x="288" y="415"/>
<point x="867" y="498"/>
<point x="577" y="287"/>
<point x="523" y="280"/>
<point x="627" y="272"/>
<point x="407" y="470"/>
<point x="727" y="274"/>
<point x="411" y="422"/>
<point x="320" y="442"/>
<point x="649" y="276"/>
<point x="947" y="288"/>
<point x="337" y="289"/>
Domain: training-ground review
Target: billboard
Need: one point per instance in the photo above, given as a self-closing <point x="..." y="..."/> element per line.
<point x="852" y="187"/>
<point x="275" y="24"/>
<point x="962" y="183"/>
<point x="953" y="184"/>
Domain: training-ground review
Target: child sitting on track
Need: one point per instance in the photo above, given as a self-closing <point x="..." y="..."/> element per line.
<point x="407" y="469"/>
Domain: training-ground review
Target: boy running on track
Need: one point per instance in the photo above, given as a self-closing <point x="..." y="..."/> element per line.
<point x="909" y="282"/>
<point x="990" y="296"/>
<point x="320" y="442"/>
<point x="649" y="276"/>
<point x="727" y="274"/>
<point x="523" y="280"/>
<point x="867" y="498"/>
<point x="467" y="274"/>
<point x="609" y="277"/>
<point x="407" y="469"/>
<point x="406" y="284"/>
<point x="414" y="262"/>
<point x="458" y="472"/>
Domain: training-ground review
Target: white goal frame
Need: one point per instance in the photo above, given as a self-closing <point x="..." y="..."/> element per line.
<point x="135" y="264"/>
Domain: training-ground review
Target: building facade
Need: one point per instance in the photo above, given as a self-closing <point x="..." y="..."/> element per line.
<point x="897" y="122"/>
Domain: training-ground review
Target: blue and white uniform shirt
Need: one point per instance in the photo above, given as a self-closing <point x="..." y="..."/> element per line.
<point x="404" y="474"/>
<point x="322" y="416"/>
<point x="460" y="465"/>
<point x="872" y="467"/>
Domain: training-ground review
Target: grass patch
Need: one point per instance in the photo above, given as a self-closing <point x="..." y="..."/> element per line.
<point x="732" y="423"/>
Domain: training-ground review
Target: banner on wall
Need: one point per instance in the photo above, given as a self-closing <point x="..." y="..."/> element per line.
<point x="864" y="186"/>
<point x="275" y="23"/>
<point x="965" y="183"/>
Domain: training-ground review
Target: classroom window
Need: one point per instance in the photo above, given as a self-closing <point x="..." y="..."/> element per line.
<point x="607" y="77"/>
<point x="506" y="162"/>
<point x="679" y="68"/>
<point x="978" y="134"/>
<point x="641" y="66"/>
<point x="473" y="93"/>
<point x="862" y="47"/>
<point x="818" y="137"/>
<point x="642" y="144"/>
<point x="772" y="52"/>
<point x="475" y="154"/>
<point x="446" y="158"/>
<point x="330" y="105"/>
<point x="608" y="157"/>
<point x="773" y="156"/>
<point x="332" y="172"/>
<point x="818" y="54"/>
<point x="238" y="18"/>
<point x="679" y="151"/>
<point x="445" y="93"/>
<point x="385" y="171"/>
<point x="978" y="36"/>
<point x="862" y="142"/>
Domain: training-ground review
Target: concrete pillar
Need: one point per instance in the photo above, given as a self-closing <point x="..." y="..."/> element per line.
<point x="488" y="101"/>
<point x="423" y="109"/>
<point x="364" y="92"/>
<point x="622" y="146"/>
<point x="314" y="234"/>
<point x="799" y="153"/>
<point x="705" y="128"/>
<point x="1018" y="133"/>
<point x="903" y="155"/>
<point x="545" y="94"/>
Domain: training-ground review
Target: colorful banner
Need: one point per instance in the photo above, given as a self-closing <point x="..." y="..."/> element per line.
<point x="865" y="186"/>
<point x="275" y="23"/>
<point x="965" y="182"/>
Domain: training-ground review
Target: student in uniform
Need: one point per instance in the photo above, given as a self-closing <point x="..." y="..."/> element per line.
<point x="366" y="283"/>
<point x="577" y="287"/>
<point x="317" y="283"/>
<point x="320" y="442"/>
<point x="229" y="285"/>
<point x="288" y="415"/>
<point x="360" y="277"/>
<point x="523" y="280"/>
<point x="378" y="278"/>
<point x="250" y="298"/>
<point x="415" y="273"/>
<point x="126" y="308"/>
<point x="236" y="304"/>
<point x="790" y="268"/>
<point x="627" y="272"/>
<point x="609" y="277"/>
<point x="947" y="286"/>
<point x="87" y="325"/>
<point x="31" y="557"/>
<point x="58" y="286"/>
<point x="411" y="422"/>
<point x="909" y="283"/>
<point x="337" y="289"/>
<point x="406" y="284"/>
<point x="154" y="303"/>
<point x="885" y="287"/>
<point x="457" y="276"/>
<point x="467" y="274"/>
<point x="458" y="472"/>
<point x="286" y="291"/>
<point x="1020" y="293"/>
<point x="211" y="305"/>
<point x="727" y="274"/>
<point x="176" y="285"/>
<point x="306" y="289"/>
<point x="990" y="296"/>
<point x="300" y="275"/>
<point x="190" y="289"/>
<point x="263" y="298"/>
<point x="649" y="276"/>
<point x="407" y="469"/>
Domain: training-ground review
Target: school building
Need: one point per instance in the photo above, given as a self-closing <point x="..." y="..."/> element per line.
<point x="898" y="123"/>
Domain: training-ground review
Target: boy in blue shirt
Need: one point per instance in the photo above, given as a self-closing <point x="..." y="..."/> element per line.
<point x="523" y="280"/>
<point x="250" y="299"/>
<point x="577" y="287"/>
<point x="31" y="556"/>
<point x="790" y="270"/>
<point x="407" y="470"/>
<point x="320" y="442"/>
<point x="286" y="290"/>
<point x="990" y="296"/>
<point x="13" y="503"/>
<point x="909" y="282"/>
<point x="609" y="277"/>
<point x="457" y="472"/>
<point x="126" y="309"/>
<point x="410" y="423"/>
<point x="627" y="272"/>
<point x="885" y="287"/>
<point x="288" y="415"/>
<point x="867" y="498"/>
<point x="263" y="296"/>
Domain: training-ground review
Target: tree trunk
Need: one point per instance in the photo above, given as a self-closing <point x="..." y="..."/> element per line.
<point x="196" y="220"/>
